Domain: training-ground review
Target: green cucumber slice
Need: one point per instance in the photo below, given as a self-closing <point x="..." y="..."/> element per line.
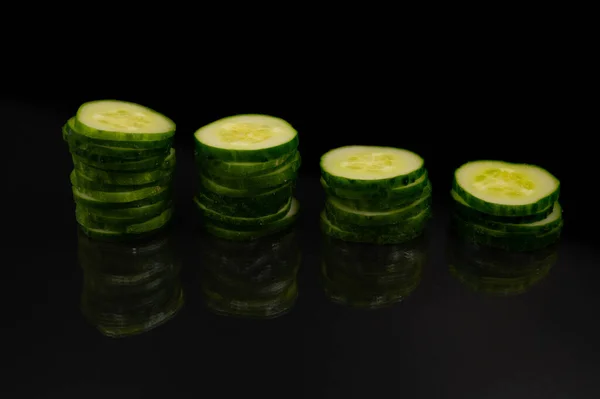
<point x="343" y="215"/>
<point x="412" y="228"/>
<point x="277" y="177"/>
<point x="546" y="220"/>
<point x="96" y="199"/>
<point x="206" y="184"/>
<point x="393" y="194"/>
<point x="122" y="121"/>
<point x="246" y="138"/>
<point x="133" y="213"/>
<point x="266" y="229"/>
<point x="380" y="204"/>
<point x="251" y="207"/>
<point x="506" y="189"/>
<point x="240" y="169"/>
<point x="370" y="168"/>
<point x="80" y="180"/>
<point x="117" y="196"/>
<point x="127" y="178"/>
<point x="119" y="165"/>
<point x="203" y="205"/>
<point x="507" y="240"/>
<point x="71" y="135"/>
<point x="126" y="231"/>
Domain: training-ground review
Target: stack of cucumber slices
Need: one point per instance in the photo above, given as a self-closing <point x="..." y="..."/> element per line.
<point x="123" y="168"/>
<point x="378" y="195"/>
<point x="247" y="170"/>
<point x="506" y="205"/>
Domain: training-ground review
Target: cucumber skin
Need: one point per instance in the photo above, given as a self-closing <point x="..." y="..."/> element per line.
<point x="373" y="236"/>
<point x="109" y="154"/>
<point x="506" y="210"/>
<point x="206" y="184"/>
<point x="126" y="178"/>
<point x="256" y="206"/>
<point x="138" y="212"/>
<point x="129" y="228"/>
<point x="164" y="195"/>
<point x="393" y="194"/>
<point x="492" y="220"/>
<point x="97" y="217"/>
<point x="120" y="136"/>
<point x="366" y="185"/>
<point x="509" y="241"/>
<point x="262" y="155"/>
<point x="117" y="196"/>
<point x="69" y="132"/>
<point x="288" y="172"/>
<point x="107" y="235"/>
<point x="383" y="204"/>
<point x="119" y="165"/>
<point x="212" y="215"/>
<point x="343" y="218"/>
<point x="98" y="185"/>
<point x="230" y="169"/>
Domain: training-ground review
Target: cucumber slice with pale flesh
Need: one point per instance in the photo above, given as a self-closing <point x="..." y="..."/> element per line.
<point x="143" y="213"/>
<point x="341" y="214"/>
<point x="544" y="221"/>
<point x="203" y="205"/>
<point x="370" y="168"/>
<point x="117" y="196"/>
<point x="412" y="227"/>
<point x="122" y="121"/>
<point x="277" y="177"/>
<point x="95" y="200"/>
<point x="80" y="180"/>
<point x="120" y="165"/>
<point x="394" y="194"/>
<point x="266" y="229"/>
<point x="506" y="189"/>
<point x="382" y="204"/>
<point x="70" y="134"/>
<point x="246" y="138"/>
<point x="241" y="169"/>
<point x="207" y="184"/>
<point x="124" y="232"/>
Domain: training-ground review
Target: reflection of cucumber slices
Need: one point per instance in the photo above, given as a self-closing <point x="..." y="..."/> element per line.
<point x="342" y="215"/>
<point x="264" y="230"/>
<point x="506" y="189"/>
<point x="370" y="168"/>
<point x="203" y="205"/>
<point x="122" y="121"/>
<point x="246" y="138"/>
<point x="553" y="217"/>
<point x="282" y="175"/>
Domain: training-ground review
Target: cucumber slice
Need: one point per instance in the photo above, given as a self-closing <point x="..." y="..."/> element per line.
<point x="343" y="215"/>
<point x="251" y="207"/>
<point x="100" y="152"/>
<point x="370" y="168"/>
<point x="550" y="218"/>
<point x="119" y="165"/>
<point x="240" y="169"/>
<point x="506" y="189"/>
<point x="122" y="121"/>
<point x="80" y="180"/>
<point x="204" y="203"/>
<point x="267" y="229"/>
<point x="384" y="204"/>
<point x="134" y="213"/>
<point x="246" y="138"/>
<point x="393" y="194"/>
<point x="165" y="170"/>
<point x="151" y="211"/>
<point x="278" y="177"/>
<point x="412" y="228"/>
<point x="117" y="196"/>
<point x="209" y="185"/>
<point x="507" y="240"/>
<point x="96" y="199"/>
<point x="71" y="135"/>
<point x="128" y="231"/>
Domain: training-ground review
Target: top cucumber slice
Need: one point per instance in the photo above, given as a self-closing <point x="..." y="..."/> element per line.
<point x="122" y="121"/>
<point x="506" y="189"/>
<point x="370" y="168"/>
<point x="246" y="138"/>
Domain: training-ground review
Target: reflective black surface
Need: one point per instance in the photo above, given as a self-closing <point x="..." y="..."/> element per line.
<point x="292" y="315"/>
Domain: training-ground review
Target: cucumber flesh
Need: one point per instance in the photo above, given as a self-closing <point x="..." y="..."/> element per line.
<point x="203" y="205"/>
<point x="266" y="229"/>
<point x="506" y="189"/>
<point x="122" y="121"/>
<point x="545" y="220"/>
<point x="246" y="138"/>
<point x="368" y="167"/>
<point x="341" y="214"/>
